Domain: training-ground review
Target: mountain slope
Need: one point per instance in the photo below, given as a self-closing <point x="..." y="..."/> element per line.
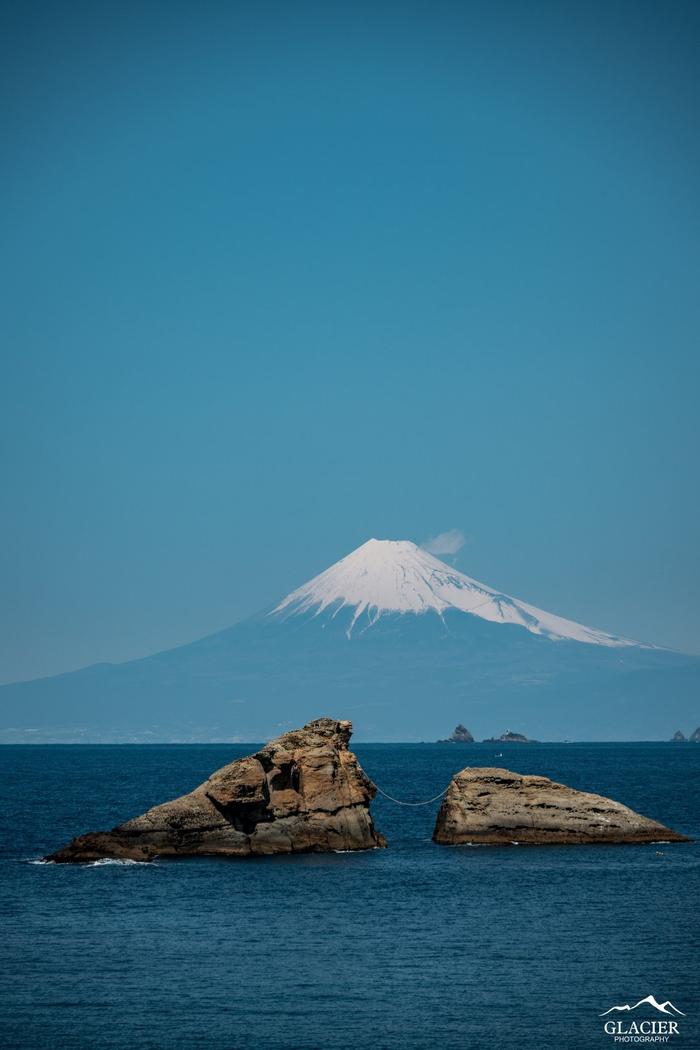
<point x="396" y="576"/>
<point x="382" y="637"/>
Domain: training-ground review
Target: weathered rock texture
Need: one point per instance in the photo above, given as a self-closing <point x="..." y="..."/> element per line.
<point x="495" y="806"/>
<point x="304" y="792"/>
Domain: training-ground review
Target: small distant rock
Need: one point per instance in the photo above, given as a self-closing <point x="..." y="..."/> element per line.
<point x="461" y="735"/>
<point x="679" y="738"/>
<point x="510" y="738"/>
<point x="303" y="792"/>
<point x="499" y="807"/>
<point x="695" y="737"/>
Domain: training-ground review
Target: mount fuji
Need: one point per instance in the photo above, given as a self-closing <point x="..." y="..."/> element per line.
<point x="389" y="636"/>
<point x="396" y="576"/>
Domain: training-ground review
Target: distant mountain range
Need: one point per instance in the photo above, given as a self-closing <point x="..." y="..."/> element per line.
<point x="391" y="637"/>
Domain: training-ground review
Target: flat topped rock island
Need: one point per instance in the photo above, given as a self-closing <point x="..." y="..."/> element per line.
<point x="484" y="806"/>
<point x="303" y="792"/>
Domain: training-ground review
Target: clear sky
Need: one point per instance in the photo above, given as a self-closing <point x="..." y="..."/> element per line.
<point x="281" y="277"/>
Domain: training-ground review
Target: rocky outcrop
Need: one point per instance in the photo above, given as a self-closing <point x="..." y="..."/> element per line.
<point x="498" y="807"/>
<point x="678" y="738"/>
<point x="303" y="792"/>
<point x="509" y="738"/>
<point x="461" y="735"/>
<point x="695" y="737"/>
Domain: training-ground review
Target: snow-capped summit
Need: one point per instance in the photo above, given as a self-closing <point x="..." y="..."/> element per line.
<point x="427" y="650"/>
<point x="397" y="576"/>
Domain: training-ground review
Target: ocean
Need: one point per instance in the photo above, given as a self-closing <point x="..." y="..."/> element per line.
<point x="416" y="946"/>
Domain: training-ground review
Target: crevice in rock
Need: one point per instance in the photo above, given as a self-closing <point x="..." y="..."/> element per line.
<point x="286" y="777"/>
<point x="243" y="813"/>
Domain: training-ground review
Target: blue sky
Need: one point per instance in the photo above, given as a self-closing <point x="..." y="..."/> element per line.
<point x="282" y="277"/>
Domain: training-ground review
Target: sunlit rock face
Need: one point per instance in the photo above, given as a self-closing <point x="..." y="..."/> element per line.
<point x="497" y="807"/>
<point x="303" y="792"/>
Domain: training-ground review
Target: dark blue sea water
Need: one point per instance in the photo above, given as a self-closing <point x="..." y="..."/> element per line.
<point x="416" y="946"/>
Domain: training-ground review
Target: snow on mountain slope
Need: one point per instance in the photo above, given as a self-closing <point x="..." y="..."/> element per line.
<point x="396" y="576"/>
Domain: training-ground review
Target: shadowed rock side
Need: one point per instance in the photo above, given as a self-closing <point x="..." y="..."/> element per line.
<point x="497" y="807"/>
<point x="303" y="792"/>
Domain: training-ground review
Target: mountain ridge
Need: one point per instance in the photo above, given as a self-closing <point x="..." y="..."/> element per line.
<point x="398" y="576"/>
<point x="399" y="676"/>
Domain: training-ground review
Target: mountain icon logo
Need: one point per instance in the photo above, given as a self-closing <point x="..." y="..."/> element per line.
<point x="663" y="1008"/>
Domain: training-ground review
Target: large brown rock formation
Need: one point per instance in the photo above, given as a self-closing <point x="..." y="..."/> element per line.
<point x="498" y="807"/>
<point x="303" y="792"/>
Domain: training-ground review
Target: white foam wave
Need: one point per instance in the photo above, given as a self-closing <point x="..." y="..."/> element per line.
<point x="102" y="863"/>
<point x="121" y="862"/>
